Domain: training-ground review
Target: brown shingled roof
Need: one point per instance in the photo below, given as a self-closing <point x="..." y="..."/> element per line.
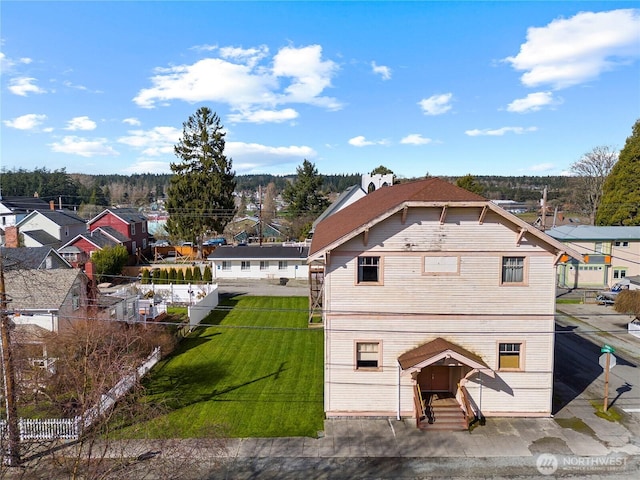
<point x="383" y="200"/>
<point x="433" y="348"/>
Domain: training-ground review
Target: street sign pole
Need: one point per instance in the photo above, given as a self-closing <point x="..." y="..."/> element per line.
<point x="606" y="382"/>
<point x="607" y="350"/>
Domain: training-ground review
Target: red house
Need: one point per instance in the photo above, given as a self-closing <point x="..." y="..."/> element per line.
<point x="113" y="226"/>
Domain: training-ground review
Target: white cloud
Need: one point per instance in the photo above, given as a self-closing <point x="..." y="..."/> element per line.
<point x="155" y="142"/>
<point x="26" y="122"/>
<point x="571" y="51"/>
<point x="264" y="116"/>
<point x="532" y="102"/>
<point x="436" y="104"/>
<point x="7" y="64"/>
<point x="384" y="72"/>
<point x="83" y="147"/>
<point x="498" y="132"/>
<point x="257" y="158"/>
<point x="541" y="167"/>
<point x="81" y="123"/>
<point x="24" y="85"/>
<point x="415" y="139"/>
<point x="134" y="122"/>
<point x="361" y="141"/>
<point x="238" y="80"/>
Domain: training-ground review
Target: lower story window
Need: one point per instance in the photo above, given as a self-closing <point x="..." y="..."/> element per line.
<point x="245" y="265"/>
<point x="512" y="270"/>
<point x="509" y="356"/>
<point x="282" y="265"/>
<point x="226" y="265"/>
<point x="367" y="355"/>
<point x="619" y="273"/>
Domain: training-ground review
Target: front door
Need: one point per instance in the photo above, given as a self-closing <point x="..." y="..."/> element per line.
<point x="434" y="379"/>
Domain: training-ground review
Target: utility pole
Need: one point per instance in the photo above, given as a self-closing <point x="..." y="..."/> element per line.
<point x="543" y="223"/>
<point x="12" y="457"/>
<point x="260" y="213"/>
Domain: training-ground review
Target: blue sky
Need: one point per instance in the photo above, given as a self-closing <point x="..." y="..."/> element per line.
<point x="445" y="88"/>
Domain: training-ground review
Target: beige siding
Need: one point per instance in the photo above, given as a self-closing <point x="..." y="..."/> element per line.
<point x="355" y="390"/>
<point x="468" y="307"/>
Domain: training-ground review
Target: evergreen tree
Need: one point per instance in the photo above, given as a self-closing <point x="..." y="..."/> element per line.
<point x="469" y="183"/>
<point x="197" y="275"/>
<point x="146" y="277"/>
<point x="188" y="275"/>
<point x="180" y="277"/>
<point x="620" y="203"/>
<point x="303" y="195"/>
<point x="207" y="276"/>
<point x="163" y="280"/>
<point x="156" y="276"/>
<point x="173" y="275"/>
<point x="200" y="194"/>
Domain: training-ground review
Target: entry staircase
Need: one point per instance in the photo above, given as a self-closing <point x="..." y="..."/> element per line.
<point x="442" y="412"/>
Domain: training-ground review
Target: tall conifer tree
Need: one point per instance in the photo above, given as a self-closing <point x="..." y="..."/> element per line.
<point x="200" y="195"/>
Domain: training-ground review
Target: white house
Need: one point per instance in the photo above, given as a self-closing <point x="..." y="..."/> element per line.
<point x="435" y="298"/>
<point x="255" y="262"/>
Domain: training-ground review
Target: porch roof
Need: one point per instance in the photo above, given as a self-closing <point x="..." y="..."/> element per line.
<point x="434" y="350"/>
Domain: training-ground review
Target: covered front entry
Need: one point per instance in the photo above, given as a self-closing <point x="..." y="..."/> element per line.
<point x="438" y="370"/>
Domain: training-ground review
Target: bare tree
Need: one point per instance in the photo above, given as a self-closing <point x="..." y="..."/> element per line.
<point x="269" y="203"/>
<point x="592" y="170"/>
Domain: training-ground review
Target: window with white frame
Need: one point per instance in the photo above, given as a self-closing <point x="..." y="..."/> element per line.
<point x="598" y="247"/>
<point x="245" y="265"/>
<point x="226" y="265"/>
<point x="621" y="243"/>
<point x="509" y="356"/>
<point x="282" y="264"/>
<point x="368" y="356"/>
<point x="264" y="265"/>
<point x="368" y="269"/>
<point x="512" y="270"/>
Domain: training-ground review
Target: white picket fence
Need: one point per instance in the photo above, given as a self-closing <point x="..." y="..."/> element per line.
<point x="71" y="428"/>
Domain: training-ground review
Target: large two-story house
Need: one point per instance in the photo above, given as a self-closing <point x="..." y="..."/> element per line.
<point x="50" y="228"/>
<point x="434" y="297"/>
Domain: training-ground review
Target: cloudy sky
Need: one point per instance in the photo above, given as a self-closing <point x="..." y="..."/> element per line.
<point x="445" y="88"/>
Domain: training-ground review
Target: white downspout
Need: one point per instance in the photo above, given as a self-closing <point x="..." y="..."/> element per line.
<point x="399" y="378"/>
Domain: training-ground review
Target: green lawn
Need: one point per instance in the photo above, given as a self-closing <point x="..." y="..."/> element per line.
<point x="256" y="370"/>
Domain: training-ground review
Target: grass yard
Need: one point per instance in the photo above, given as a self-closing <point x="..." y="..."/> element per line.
<point x="256" y="369"/>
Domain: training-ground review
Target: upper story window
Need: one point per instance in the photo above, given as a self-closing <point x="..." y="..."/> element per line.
<point x="598" y="247"/>
<point x="619" y="273"/>
<point x="133" y="229"/>
<point x="144" y="227"/>
<point x="512" y="270"/>
<point x="621" y="243"/>
<point x="369" y="270"/>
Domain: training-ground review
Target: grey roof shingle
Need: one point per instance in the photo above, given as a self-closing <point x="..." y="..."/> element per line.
<point x="59" y="217"/>
<point x="24" y="204"/>
<point x="39" y="289"/>
<point x="31" y="258"/>
<point x="589" y="232"/>
<point x="43" y="238"/>
<point x="275" y="252"/>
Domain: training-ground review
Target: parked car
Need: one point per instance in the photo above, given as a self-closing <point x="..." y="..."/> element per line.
<point x="215" y="242"/>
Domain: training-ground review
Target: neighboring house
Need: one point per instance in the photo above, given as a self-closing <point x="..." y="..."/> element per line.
<point x="610" y="254"/>
<point x="50" y="299"/>
<point x="267" y="261"/>
<point x="14" y="209"/>
<point x="130" y="224"/>
<point x="254" y="229"/>
<point x="369" y="183"/>
<point x="434" y="297"/>
<point x="79" y="250"/>
<point x="50" y="228"/>
<point x="32" y="258"/>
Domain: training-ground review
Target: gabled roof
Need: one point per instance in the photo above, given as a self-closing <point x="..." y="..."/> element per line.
<point x="384" y="202"/>
<point x="275" y="252"/>
<point x="24" y="204"/>
<point x="31" y="258"/>
<point x="340" y="202"/>
<point x="113" y="233"/>
<point x="437" y="349"/>
<point x="590" y="232"/>
<point x="98" y="238"/>
<point x="39" y="289"/>
<point x="59" y="217"/>
<point x="43" y="238"/>
<point x="127" y="215"/>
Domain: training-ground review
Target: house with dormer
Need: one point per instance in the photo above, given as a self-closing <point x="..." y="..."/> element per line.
<point x="437" y="304"/>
